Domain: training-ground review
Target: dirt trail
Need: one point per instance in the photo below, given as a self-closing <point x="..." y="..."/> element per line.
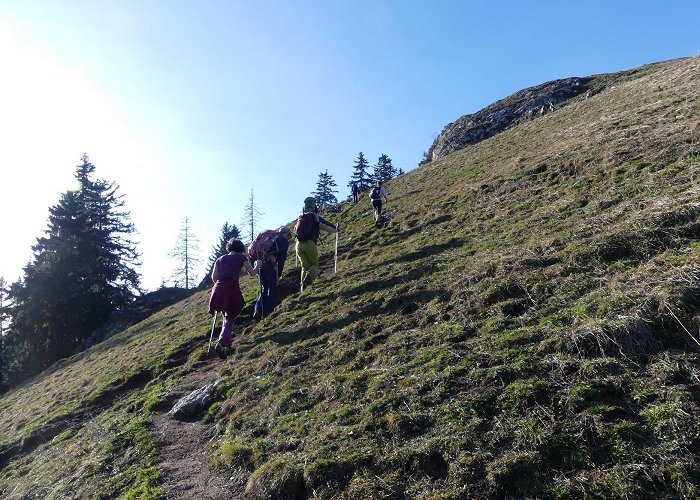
<point x="184" y="447"/>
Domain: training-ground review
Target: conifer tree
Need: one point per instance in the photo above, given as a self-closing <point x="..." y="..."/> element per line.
<point x="360" y="174"/>
<point x="186" y="252"/>
<point x="325" y="194"/>
<point x="82" y="270"/>
<point x="251" y="216"/>
<point x="384" y="170"/>
<point x="228" y="231"/>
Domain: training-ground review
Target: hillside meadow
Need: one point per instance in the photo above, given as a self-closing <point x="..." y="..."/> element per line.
<point x="526" y="326"/>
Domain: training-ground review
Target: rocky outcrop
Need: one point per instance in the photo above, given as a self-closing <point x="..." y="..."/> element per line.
<point x="520" y="107"/>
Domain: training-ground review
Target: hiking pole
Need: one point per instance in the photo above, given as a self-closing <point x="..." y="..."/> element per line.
<point x="335" y="269"/>
<point x="213" y="323"/>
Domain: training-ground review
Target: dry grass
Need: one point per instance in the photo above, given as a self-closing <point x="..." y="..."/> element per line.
<point x="522" y="328"/>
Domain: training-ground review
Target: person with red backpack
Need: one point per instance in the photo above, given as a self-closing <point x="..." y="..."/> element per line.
<point x="307" y="229"/>
<point x="226" y="296"/>
<point x="273" y="259"/>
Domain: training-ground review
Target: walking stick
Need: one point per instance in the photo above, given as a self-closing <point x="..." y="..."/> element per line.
<point x="213" y="323"/>
<point x="335" y="269"/>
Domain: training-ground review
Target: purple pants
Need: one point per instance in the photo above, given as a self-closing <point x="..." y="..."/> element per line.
<point x="226" y="335"/>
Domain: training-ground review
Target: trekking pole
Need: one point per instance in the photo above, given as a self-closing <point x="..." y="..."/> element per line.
<point x="213" y="323"/>
<point x="335" y="269"/>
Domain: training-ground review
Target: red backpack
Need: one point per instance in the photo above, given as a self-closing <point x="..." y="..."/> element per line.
<point x="262" y="244"/>
<point x="304" y="226"/>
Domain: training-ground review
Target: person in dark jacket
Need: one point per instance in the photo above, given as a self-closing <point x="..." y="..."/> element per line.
<point x="271" y="272"/>
<point x="226" y="296"/>
<point x="355" y="192"/>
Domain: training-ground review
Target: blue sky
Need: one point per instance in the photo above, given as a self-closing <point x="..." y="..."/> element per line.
<point x="187" y="105"/>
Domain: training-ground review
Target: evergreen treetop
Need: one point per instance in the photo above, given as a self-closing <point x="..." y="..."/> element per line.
<point x="325" y="194"/>
<point x="360" y="174"/>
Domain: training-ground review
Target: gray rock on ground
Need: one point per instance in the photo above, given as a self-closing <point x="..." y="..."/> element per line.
<point x="195" y="402"/>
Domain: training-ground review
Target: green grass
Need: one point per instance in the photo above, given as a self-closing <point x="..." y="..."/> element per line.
<point x="509" y="334"/>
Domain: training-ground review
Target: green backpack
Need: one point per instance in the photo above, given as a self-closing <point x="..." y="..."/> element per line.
<point x="310" y="205"/>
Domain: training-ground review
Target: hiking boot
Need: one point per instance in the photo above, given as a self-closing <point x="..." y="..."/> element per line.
<point x="221" y="350"/>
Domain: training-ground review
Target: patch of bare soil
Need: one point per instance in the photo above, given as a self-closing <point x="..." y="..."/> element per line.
<point x="183" y="447"/>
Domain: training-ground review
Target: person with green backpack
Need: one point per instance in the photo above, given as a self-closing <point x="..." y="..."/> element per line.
<point x="307" y="230"/>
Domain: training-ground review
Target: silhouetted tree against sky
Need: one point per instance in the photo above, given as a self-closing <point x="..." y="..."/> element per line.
<point x="186" y="253"/>
<point x="82" y="269"/>
<point x="360" y="173"/>
<point x="325" y="194"/>
<point x="251" y="216"/>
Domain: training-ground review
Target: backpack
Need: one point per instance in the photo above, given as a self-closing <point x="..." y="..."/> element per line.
<point x="376" y="193"/>
<point x="262" y="245"/>
<point x="310" y="204"/>
<point x="304" y="226"/>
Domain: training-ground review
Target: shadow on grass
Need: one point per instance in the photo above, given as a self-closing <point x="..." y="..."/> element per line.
<point x="378" y="285"/>
<point x="428" y="251"/>
<point x="404" y="304"/>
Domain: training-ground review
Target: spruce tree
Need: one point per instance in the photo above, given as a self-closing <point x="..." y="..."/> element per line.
<point x="325" y="194"/>
<point x="360" y="174"/>
<point x="228" y="231"/>
<point x="186" y="252"/>
<point x="384" y="170"/>
<point x="251" y="216"/>
<point x="82" y="270"/>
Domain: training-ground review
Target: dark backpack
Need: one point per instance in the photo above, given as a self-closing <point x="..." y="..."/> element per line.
<point x="376" y="193"/>
<point x="304" y="226"/>
<point x="262" y="245"/>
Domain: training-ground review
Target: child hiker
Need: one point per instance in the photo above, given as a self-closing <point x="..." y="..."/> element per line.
<point x="226" y="296"/>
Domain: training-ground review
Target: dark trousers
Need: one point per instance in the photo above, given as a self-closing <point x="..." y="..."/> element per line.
<point x="377" y="205"/>
<point x="268" y="290"/>
<point x="355" y="197"/>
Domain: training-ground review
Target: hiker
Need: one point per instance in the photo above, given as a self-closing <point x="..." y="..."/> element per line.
<point x="307" y="230"/>
<point x="355" y="193"/>
<point x="271" y="272"/>
<point x="226" y="296"/>
<point x="376" y="196"/>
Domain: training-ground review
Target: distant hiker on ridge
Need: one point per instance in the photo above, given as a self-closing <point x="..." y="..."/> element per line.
<point x="307" y="229"/>
<point x="271" y="272"/>
<point x="376" y="195"/>
<point x="226" y="296"/>
<point x="355" y="193"/>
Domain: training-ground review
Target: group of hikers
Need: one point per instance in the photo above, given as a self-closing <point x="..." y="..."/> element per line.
<point x="265" y="258"/>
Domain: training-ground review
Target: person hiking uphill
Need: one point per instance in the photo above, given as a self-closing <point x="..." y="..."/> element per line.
<point x="226" y="296"/>
<point x="376" y="195"/>
<point x="271" y="272"/>
<point x="307" y="230"/>
<point x="355" y="192"/>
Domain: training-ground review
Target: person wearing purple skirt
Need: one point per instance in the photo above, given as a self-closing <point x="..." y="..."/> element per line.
<point x="226" y="296"/>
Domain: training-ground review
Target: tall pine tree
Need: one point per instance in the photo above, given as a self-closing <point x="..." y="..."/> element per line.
<point x="82" y="270"/>
<point x="186" y="253"/>
<point x="325" y="194"/>
<point x="251" y="216"/>
<point x="360" y="174"/>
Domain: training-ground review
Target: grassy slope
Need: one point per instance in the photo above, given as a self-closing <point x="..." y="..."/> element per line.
<point x="518" y="330"/>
